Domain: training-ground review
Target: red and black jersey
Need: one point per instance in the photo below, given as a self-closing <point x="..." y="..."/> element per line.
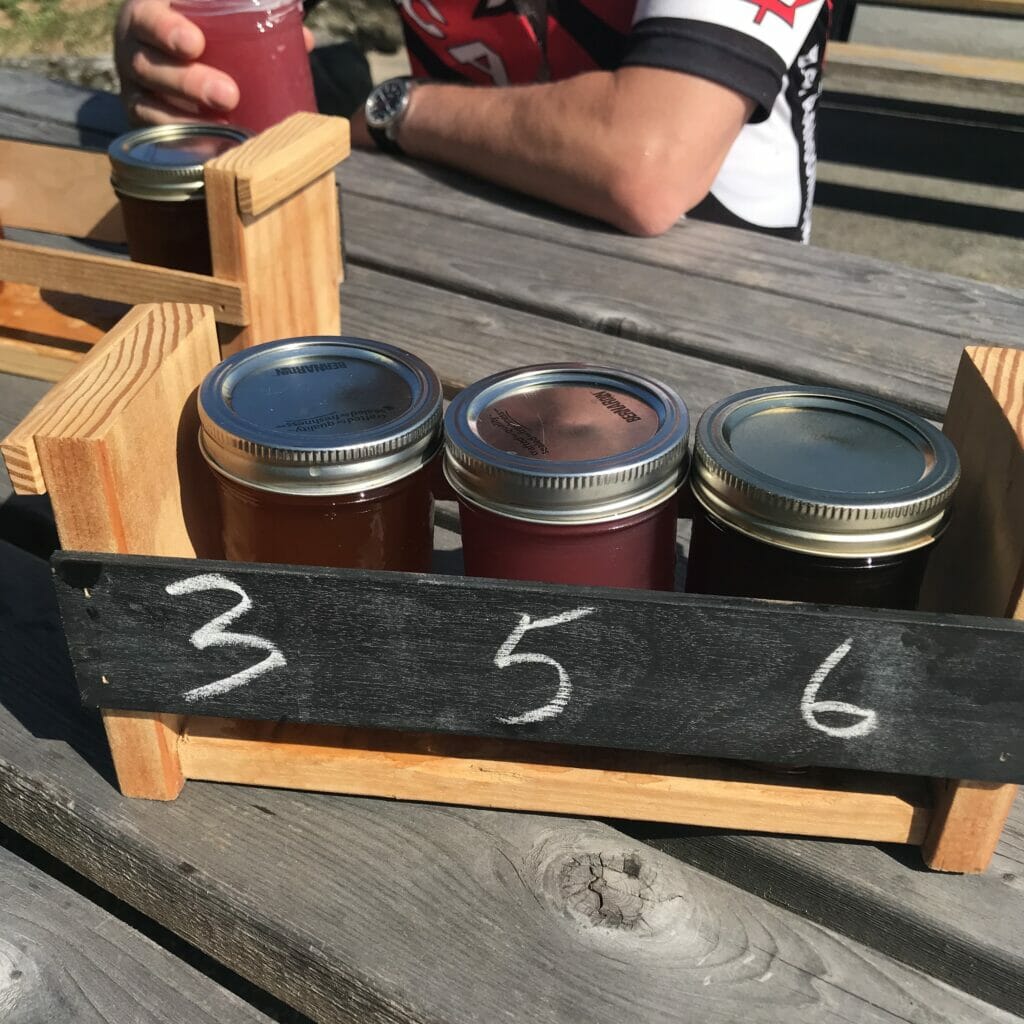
<point x="768" y="50"/>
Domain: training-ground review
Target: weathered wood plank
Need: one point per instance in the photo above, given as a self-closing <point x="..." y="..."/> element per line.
<point x="65" y="959"/>
<point x="465" y="339"/>
<point x="729" y="323"/>
<point x="666" y="673"/>
<point x="410" y="913"/>
<point x="938" y="303"/>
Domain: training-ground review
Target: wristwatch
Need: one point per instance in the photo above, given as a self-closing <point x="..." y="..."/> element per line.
<point x="386" y="107"/>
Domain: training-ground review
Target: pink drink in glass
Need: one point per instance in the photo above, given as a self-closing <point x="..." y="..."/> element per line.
<point x="259" y="43"/>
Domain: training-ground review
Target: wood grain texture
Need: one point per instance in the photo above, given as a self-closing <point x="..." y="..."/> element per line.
<point x="561" y="780"/>
<point x="106" y="277"/>
<point x="465" y="339"/>
<point x="756" y="330"/>
<point x="284" y="159"/>
<point x="968" y="821"/>
<point x="289" y="255"/>
<point x="902" y="296"/>
<point x="41" y="362"/>
<point x="412" y="913"/>
<point x="890" y="58"/>
<point x="64" y="959"/>
<point x="633" y="670"/>
<point x="114" y="446"/>
<point x="63" y="190"/>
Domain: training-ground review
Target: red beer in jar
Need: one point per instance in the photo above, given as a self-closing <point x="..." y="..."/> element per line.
<point x="567" y="473"/>
<point x="260" y="44"/>
<point x="324" y="450"/>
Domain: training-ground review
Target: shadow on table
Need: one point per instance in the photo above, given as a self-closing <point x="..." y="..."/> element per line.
<point x="701" y="845"/>
<point x="99" y="119"/>
<point x="37" y="682"/>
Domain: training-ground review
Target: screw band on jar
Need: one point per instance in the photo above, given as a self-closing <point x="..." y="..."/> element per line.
<point x="320" y="415"/>
<point x="824" y="471"/>
<point x="566" y="443"/>
<point x="165" y="162"/>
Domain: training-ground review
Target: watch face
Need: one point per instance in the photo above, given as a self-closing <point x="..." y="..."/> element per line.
<point x="385" y="102"/>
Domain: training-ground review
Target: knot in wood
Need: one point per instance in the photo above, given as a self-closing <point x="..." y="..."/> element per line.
<point x="609" y="890"/>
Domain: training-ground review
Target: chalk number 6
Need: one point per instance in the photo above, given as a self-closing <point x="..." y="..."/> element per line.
<point x="504" y="658"/>
<point x="213" y="634"/>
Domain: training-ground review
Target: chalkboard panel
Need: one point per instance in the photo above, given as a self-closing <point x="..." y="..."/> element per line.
<point x="672" y="673"/>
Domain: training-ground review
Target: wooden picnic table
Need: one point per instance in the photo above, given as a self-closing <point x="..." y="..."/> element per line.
<point x="368" y="910"/>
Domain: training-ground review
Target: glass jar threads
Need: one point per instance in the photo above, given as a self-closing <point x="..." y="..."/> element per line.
<point x="817" y="494"/>
<point x="157" y="173"/>
<point x="567" y="473"/>
<point x="324" y="452"/>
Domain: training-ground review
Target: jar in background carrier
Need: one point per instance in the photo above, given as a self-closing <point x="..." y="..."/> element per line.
<point x="157" y="173"/>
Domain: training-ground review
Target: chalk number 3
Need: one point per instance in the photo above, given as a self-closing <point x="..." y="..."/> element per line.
<point x="505" y="657"/>
<point x="213" y="634"/>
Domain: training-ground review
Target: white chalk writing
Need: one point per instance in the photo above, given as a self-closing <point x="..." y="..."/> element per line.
<point x="213" y="634"/>
<point x="505" y="657"/>
<point x="811" y="707"/>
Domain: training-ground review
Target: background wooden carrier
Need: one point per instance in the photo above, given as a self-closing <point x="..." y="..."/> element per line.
<point x="111" y="493"/>
<point x="280" y="185"/>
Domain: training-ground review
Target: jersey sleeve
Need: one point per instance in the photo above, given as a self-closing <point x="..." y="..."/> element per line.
<point x="747" y="45"/>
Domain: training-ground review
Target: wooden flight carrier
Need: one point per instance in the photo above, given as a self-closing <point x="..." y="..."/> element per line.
<point x="114" y="446"/>
<point x="55" y="304"/>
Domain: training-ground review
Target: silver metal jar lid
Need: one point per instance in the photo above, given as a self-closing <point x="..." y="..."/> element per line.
<point x="566" y="443"/>
<point x="824" y="471"/>
<point x="319" y="416"/>
<point x="165" y="162"/>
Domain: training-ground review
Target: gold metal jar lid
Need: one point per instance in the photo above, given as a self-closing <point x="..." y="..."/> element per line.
<point x="165" y="162"/>
<point x="824" y="471"/>
<point x="320" y="415"/>
<point x="566" y="443"/>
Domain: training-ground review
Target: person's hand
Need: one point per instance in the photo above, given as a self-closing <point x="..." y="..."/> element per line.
<point x="157" y="53"/>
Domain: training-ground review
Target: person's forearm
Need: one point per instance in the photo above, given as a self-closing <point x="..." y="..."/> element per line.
<point x="589" y="143"/>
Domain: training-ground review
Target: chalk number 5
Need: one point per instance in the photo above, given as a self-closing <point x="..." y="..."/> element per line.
<point x="213" y="634"/>
<point x="505" y="657"/>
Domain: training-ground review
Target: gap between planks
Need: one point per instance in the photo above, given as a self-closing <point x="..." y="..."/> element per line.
<point x="556" y="779"/>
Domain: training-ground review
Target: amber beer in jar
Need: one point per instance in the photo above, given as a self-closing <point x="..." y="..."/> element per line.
<point x="157" y="173"/>
<point x="817" y="494"/>
<point x="568" y="473"/>
<point x="324" y="450"/>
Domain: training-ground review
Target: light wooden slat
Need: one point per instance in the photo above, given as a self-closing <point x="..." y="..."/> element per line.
<point x="560" y="780"/>
<point x="105" y="277"/>
<point x="286" y="158"/>
<point x="61" y="190"/>
<point x="58" y="189"/>
<point x="41" y="362"/>
<point x="891" y="58"/>
<point x="289" y="255"/>
<point x="65" y="958"/>
<point x="114" y="447"/>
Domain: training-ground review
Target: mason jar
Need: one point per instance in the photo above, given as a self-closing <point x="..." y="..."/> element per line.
<point x="568" y="473"/>
<point x="157" y="173"/>
<point x="324" y="450"/>
<point x="817" y="494"/>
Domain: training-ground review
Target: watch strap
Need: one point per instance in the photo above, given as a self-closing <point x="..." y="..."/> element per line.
<point x="382" y="140"/>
